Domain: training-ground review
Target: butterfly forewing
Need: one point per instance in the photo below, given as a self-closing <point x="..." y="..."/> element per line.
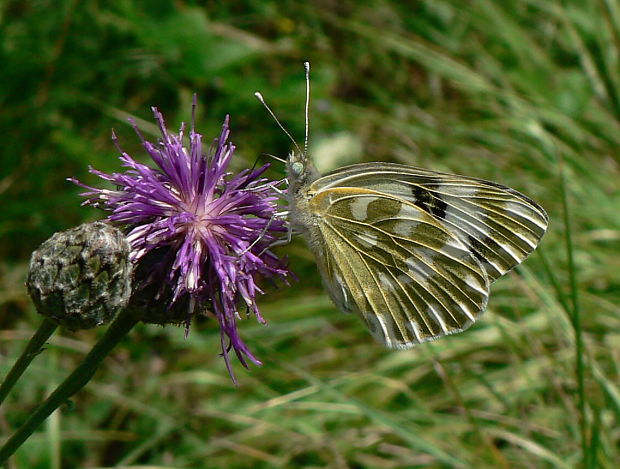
<point x="385" y="258"/>
<point x="499" y="225"/>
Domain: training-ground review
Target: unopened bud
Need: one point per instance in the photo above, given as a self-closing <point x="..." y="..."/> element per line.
<point x="81" y="278"/>
<point x="151" y="299"/>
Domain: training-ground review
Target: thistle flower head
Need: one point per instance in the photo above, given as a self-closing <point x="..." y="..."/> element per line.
<point x="81" y="278"/>
<point x="200" y="236"/>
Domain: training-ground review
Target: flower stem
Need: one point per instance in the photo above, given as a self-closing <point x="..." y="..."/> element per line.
<point x="76" y="381"/>
<point x="32" y="350"/>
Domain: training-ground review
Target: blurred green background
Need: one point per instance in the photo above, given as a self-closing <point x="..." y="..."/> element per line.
<point x="522" y="92"/>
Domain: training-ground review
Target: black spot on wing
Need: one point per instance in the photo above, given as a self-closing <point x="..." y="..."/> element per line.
<point x="430" y="202"/>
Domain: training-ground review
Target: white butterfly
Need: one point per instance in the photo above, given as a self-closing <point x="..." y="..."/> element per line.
<point x="412" y="251"/>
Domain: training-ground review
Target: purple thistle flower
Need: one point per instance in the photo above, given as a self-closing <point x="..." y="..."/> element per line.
<point x="202" y="235"/>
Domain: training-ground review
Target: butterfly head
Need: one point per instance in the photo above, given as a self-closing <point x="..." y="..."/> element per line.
<point x="300" y="171"/>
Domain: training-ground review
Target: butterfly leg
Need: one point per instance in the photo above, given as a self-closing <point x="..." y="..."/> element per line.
<point x="264" y="230"/>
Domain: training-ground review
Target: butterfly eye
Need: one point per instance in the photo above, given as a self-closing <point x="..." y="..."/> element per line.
<point x="297" y="168"/>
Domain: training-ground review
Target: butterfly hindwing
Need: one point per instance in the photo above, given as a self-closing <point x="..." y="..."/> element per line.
<point x="397" y="266"/>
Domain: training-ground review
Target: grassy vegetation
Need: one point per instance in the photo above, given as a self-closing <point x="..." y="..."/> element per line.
<point x="521" y="92"/>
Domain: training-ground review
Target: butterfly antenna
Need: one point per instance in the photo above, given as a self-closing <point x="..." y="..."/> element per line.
<point x="277" y="158"/>
<point x="262" y="100"/>
<point x="307" y="69"/>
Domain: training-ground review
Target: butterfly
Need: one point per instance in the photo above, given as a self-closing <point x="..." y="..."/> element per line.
<point x="412" y="251"/>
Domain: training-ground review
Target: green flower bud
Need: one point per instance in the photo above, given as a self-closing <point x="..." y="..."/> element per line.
<point x="81" y="278"/>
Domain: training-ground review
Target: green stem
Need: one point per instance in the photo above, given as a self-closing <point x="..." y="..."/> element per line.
<point x="576" y="320"/>
<point x="32" y="350"/>
<point x="76" y="381"/>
